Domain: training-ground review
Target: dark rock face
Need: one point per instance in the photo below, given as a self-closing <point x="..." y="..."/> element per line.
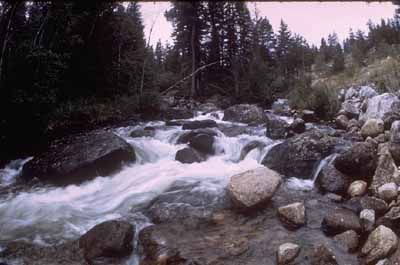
<point x="308" y="116"/>
<point x="203" y="143"/>
<point x="107" y="240"/>
<point x="339" y="221"/>
<point x="332" y="180"/>
<point x="389" y="118"/>
<point x="297" y="156"/>
<point x="297" y="126"/>
<point x="192" y="125"/>
<point x="276" y="127"/>
<point x="359" y="160"/>
<point x="281" y="106"/>
<point x="244" y="113"/>
<point x="79" y="158"/>
<point x="376" y="204"/>
<point x="188" y="156"/>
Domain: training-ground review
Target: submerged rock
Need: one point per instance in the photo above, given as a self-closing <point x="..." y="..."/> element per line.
<point x="347" y="240"/>
<point x="108" y="240"/>
<point x="293" y="214"/>
<point x="287" y="253"/>
<point x="322" y="255"/>
<point x="253" y="188"/>
<point x="380" y="244"/>
<point x="80" y="158"/>
<point x="339" y="221"/>
<point x="244" y="113"/>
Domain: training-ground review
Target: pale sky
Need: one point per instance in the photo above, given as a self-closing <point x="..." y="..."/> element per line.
<point x="312" y="20"/>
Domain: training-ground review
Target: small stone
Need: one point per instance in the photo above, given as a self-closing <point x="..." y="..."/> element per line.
<point x="376" y="204"/>
<point x="357" y="188"/>
<point x="380" y="244"/>
<point x="367" y="219"/>
<point x="388" y="192"/>
<point x="293" y="214"/>
<point x="340" y="220"/>
<point x="287" y="253"/>
<point x="347" y="240"/>
<point x="322" y="255"/>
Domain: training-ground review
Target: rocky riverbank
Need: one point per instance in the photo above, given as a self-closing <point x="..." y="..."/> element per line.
<point x="239" y="186"/>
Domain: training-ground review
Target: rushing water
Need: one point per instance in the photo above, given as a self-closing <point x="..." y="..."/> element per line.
<point x="49" y="215"/>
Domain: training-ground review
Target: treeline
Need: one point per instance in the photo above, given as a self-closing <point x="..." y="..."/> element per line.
<point x="68" y="62"/>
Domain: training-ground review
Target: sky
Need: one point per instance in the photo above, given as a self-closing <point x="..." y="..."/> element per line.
<point x="312" y="20"/>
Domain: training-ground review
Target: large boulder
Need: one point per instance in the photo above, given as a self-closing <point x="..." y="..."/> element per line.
<point x="359" y="160"/>
<point x="380" y="244"/>
<point x="367" y="92"/>
<point x="188" y="156"/>
<point x="339" y="221"/>
<point x="297" y="156"/>
<point x="187" y="136"/>
<point x="79" y="158"/>
<point x="332" y="180"/>
<point x="351" y="108"/>
<point x="244" y="113"/>
<point x="394" y="146"/>
<point x="108" y="240"/>
<point x="276" y="127"/>
<point x="253" y="188"/>
<point x="379" y="105"/>
<point x="193" y="125"/>
<point x="372" y="128"/>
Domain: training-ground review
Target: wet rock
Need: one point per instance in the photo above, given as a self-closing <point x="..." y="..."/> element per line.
<point x="367" y="219"/>
<point x="276" y="127"/>
<point x="376" y="204"/>
<point x="193" y="125"/>
<point x="146" y="132"/>
<point x="372" y="128"/>
<point x="386" y="170"/>
<point x="108" y="240"/>
<point x="388" y="192"/>
<point x="244" y="113"/>
<point x="189" y="156"/>
<point x="186" y="137"/>
<point x="79" y="158"/>
<point x="234" y="131"/>
<point x="332" y="180"/>
<point x="347" y="240"/>
<point x="342" y="122"/>
<point x="391" y="218"/>
<point x="251" y="146"/>
<point x="379" y="105"/>
<point x="357" y="188"/>
<point x="297" y="126"/>
<point x="379" y="245"/>
<point x="322" y="255"/>
<point x="308" y="116"/>
<point x="281" y="106"/>
<point x="340" y="220"/>
<point x="297" y="156"/>
<point x="359" y="160"/>
<point x="253" y="188"/>
<point x="188" y="203"/>
<point x="287" y="253"/>
<point x="294" y="215"/>
<point x="203" y="143"/>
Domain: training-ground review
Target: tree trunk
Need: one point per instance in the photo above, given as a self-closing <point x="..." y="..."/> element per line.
<point x="193" y="48"/>
<point x="6" y="37"/>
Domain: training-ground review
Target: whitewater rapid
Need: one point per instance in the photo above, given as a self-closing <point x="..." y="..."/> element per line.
<point x="52" y="215"/>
